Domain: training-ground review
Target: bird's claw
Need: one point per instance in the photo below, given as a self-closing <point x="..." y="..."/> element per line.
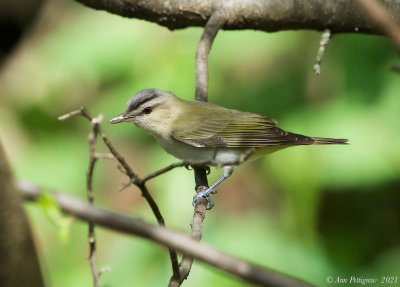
<point x="208" y="170"/>
<point x="205" y="194"/>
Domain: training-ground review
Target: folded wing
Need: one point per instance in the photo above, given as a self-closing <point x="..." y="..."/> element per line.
<point x="235" y="129"/>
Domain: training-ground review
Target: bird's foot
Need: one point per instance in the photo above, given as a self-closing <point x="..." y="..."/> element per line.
<point x="208" y="170"/>
<point x="205" y="194"/>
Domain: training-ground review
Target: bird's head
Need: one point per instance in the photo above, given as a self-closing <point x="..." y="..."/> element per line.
<point x="152" y="110"/>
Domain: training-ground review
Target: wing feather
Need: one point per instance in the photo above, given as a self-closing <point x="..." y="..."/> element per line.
<point x="235" y="129"/>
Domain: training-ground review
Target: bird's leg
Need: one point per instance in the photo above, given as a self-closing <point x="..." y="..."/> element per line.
<point x="227" y="173"/>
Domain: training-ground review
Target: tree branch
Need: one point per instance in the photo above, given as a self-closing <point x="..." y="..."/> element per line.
<point x="200" y="174"/>
<point x="166" y="237"/>
<point x="19" y="259"/>
<point x="211" y="29"/>
<point x="339" y="16"/>
<point x="383" y="19"/>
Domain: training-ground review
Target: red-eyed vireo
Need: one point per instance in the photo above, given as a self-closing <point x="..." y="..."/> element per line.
<point x="202" y="132"/>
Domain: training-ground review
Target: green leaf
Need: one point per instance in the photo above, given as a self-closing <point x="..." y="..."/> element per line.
<point x="52" y="211"/>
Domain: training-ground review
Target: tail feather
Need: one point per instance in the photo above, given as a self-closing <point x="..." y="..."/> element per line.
<point x="329" y="141"/>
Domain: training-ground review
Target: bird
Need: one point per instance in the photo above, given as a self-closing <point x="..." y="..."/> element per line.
<point x="202" y="132"/>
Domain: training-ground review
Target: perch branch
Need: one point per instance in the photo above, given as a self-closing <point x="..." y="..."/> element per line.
<point x="166" y="237"/>
<point x="339" y="16"/>
<point x="133" y="178"/>
<point x="200" y="171"/>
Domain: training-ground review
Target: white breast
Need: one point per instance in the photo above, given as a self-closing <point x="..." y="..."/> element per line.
<point x="193" y="154"/>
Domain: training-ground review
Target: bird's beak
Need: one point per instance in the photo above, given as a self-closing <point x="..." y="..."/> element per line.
<point x="118" y="119"/>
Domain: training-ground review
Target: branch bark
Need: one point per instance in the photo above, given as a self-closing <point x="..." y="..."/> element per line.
<point x="200" y="176"/>
<point x="19" y="261"/>
<point x="90" y="197"/>
<point x="339" y="16"/>
<point x="166" y="237"/>
<point x="211" y="29"/>
<point x="383" y="19"/>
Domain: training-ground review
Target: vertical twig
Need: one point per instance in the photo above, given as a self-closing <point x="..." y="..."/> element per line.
<point x="200" y="175"/>
<point x="211" y="29"/>
<point x="90" y="197"/>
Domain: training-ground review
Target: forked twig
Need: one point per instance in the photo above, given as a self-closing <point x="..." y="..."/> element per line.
<point x="134" y="178"/>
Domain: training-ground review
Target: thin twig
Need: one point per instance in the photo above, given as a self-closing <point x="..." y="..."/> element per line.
<point x="121" y="169"/>
<point x="322" y="46"/>
<point x="125" y="186"/>
<point x="104" y="155"/>
<point x="133" y="177"/>
<point x="173" y="239"/>
<point x="211" y="29"/>
<point x="245" y="156"/>
<point x="70" y="114"/>
<point x="161" y="171"/>
<point x="383" y="19"/>
<point x="196" y="225"/>
<point x="89" y="187"/>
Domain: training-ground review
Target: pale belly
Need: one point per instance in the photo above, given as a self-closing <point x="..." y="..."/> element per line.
<point x="199" y="154"/>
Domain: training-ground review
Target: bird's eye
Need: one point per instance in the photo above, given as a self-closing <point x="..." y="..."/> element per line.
<point x="147" y="110"/>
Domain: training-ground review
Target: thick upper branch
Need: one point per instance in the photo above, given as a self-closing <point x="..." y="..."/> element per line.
<point x="340" y="16"/>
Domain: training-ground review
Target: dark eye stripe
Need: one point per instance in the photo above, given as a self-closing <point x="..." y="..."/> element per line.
<point x="137" y="101"/>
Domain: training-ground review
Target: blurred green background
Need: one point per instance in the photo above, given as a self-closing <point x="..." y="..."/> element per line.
<point x="310" y="212"/>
